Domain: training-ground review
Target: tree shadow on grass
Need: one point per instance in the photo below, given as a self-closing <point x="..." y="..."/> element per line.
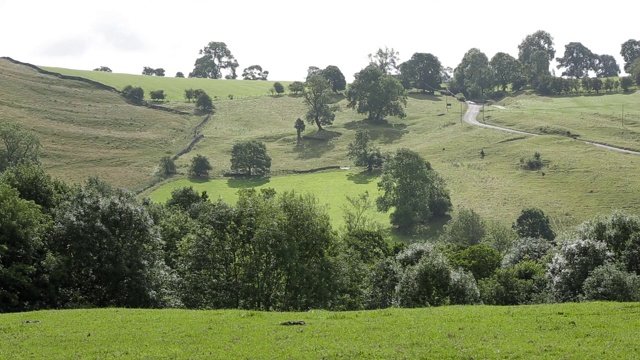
<point x="246" y="182"/>
<point x="364" y="177"/>
<point x="314" y="145"/>
<point x="199" y="179"/>
<point x="382" y="131"/>
<point x="433" y="231"/>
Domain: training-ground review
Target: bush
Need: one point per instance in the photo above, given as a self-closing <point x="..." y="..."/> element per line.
<point x="534" y="223"/>
<point x="466" y="228"/>
<point x="609" y="283"/>
<point x="157" y="95"/>
<point x="526" y="249"/>
<point x="204" y="103"/>
<point x="200" y="166"/>
<point x="278" y="87"/>
<point x="167" y="166"/>
<point x="463" y="289"/>
<point x="532" y="163"/>
<point x="296" y="87"/>
<point x="133" y="94"/>
<point x="523" y="283"/>
<point x="481" y="260"/>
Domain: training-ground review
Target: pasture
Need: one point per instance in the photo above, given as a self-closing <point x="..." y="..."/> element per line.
<point x="568" y="331"/>
<point x="174" y="87"/>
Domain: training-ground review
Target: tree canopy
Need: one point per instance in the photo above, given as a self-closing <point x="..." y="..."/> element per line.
<point x="630" y="51"/>
<point x="17" y="146"/>
<point x="577" y="61"/>
<point x="335" y="77"/>
<point x="377" y="94"/>
<point x="255" y="72"/>
<point x="250" y="158"/>
<point x="214" y="58"/>
<point x="318" y="97"/>
<point x="423" y="71"/>
<point x="385" y="59"/>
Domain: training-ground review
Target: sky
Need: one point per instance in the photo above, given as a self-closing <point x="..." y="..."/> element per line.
<point x="286" y="37"/>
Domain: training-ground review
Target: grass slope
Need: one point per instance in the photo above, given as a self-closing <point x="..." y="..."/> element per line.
<point x="578" y="181"/>
<point x="87" y="131"/>
<point x="562" y="331"/>
<point x="174" y="87"/>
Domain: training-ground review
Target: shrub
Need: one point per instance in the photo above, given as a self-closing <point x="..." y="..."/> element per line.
<point x="463" y="289"/>
<point x="526" y="249"/>
<point x="609" y="283"/>
<point x="466" y="228"/>
<point x="296" y="87"/>
<point x="200" y="166"/>
<point x="278" y="87"/>
<point x="534" y="223"/>
<point x="523" y="283"/>
<point x="204" y="103"/>
<point x="167" y="166"/>
<point x="157" y="95"/>
<point x="481" y="260"/>
<point x="133" y="94"/>
<point x="532" y="163"/>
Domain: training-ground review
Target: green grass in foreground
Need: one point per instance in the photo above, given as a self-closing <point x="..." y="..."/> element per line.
<point x="174" y="87"/>
<point x="562" y="331"/>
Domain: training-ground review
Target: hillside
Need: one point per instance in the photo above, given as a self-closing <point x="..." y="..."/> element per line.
<point x="88" y="131"/>
<point x="560" y="331"/>
<point x="174" y="87"/>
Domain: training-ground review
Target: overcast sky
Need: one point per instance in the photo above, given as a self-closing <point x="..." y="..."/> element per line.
<point x="286" y="37"/>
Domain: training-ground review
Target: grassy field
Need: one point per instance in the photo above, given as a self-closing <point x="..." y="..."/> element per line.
<point x="562" y="331"/>
<point x="174" y="87"/>
<point x="86" y="131"/>
<point x="612" y="119"/>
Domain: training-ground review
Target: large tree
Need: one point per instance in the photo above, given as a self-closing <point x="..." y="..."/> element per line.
<point x="250" y="158"/>
<point x="377" y="94"/>
<point x="335" y="77"/>
<point x="538" y="41"/>
<point x="577" y="61"/>
<point x="423" y="71"/>
<point x="473" y="76"/>
<point x="386" y="60"/>
<point x="506" y="69"/>
<point x="630" y="51"/>
<point x="318" y="97"/>
<point x="606" y="66"/>
<point x="255" y="72"/>
<point x="415" y="191"/>
<point x="17" y="145"/>
<point x="215" y="57"/>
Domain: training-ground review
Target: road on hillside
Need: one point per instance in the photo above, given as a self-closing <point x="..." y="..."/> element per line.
<point x="470" y="117"/>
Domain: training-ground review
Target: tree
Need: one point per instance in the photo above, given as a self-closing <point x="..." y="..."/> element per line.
<point x="335" y="77"/>
<point x="200" y="166"/>
<point x="22" y="282"/>
<point x="634" y="71"/>
<point x="102" y="68"/>
<point x="255" y="72"/>
<point x="34" y="184"/>
<point x="363" y="153"/>
<point x="250" y="157"/>
<point x="606" y="67"/>
<point x="538" y="41"/>
<point x="312" y="70"/>
<point x="467" y="228"/>
<point x="20" y="146"/>
<point x="133" y="94"/>
<point x="148" y="71"/>
<point x="422" y="71"/>
<point x="630" y="51"/>
<point x="299" y="126"/>
<point x="318" y="97"/>
<point x="296" y="87"/>
<point x="625" y="83"/>
<point x="386" y="60"/>
<point x="167" y="166"/>
<point x="278" y="87"/>
<point x="414" y="189"/>
<point x="216" y="56"/>
<point x="473" y="75"/>
<point x="596" y="84"/>
<point x="506" y="68"/>
<point x="481" y="260"/>
<point x="577" y="61"/>
<point x="377" y="94"/>
<point x="158" y="72"/>
<point x="185" y="197"/>
<point x="189" y="94"/>
<point x="204" y="103"/>
<point x="532" y="222"/>
<point x="179" y="74"/>
<point x="157" y="95"/>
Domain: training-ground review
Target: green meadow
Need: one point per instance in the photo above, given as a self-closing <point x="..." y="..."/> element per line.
<point x="560" y="331"/>
<point x="174" y="87"/>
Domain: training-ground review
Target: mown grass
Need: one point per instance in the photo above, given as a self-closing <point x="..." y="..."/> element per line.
<point x="560" y="331"/>
<point x="174" y="87"/>
<point x="610" y="118"/>
<point x="86" y="131"/>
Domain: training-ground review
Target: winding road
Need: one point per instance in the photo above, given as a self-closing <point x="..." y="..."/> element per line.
<point x="470" y="117"/>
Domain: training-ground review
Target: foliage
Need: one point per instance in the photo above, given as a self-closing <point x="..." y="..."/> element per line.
<point x="523" y="283"/>
<point x="335" y="77"/>
<point x="180" y="74"/>
<point x="216" y="57"/>
<point x="499" y="236"/>
<point x="255" y="72"/>
<point x="200" y="166"/>
<point x="480" y="260"/>
<point x="278" y="87"/>
<point x="630" y="51"/>
<point x="473" y="76"/>
<point x="377" y="94"/>
<point x="189" y="94"/>
<point x="167" y="166"/>
<point x="35" y="185"/>
<point x="425" y="279"/>
<point x="318" y="98"/>
<point x="158" y="72"/>
<point x="157" y="95"/>
<point x="422" y="71"/>
<point x="19" y="146"/>
<point x="413" y="189"/>
<point x="385" y="60"/>
<point x="609" y="283"/>
<point x="578" y="60"/>
<point x="300" y="127"/>
<point x="507" y="69"/>
<point x="467" y="228"/>
<point x="185" y="197"/>
<point x="526" y="249"/>
<point x="22" y="281"/>
<point x="532" y="222"/>
<point x="571" y="266"/>
<point x="204" y="103"/>
<point x="133" y="94"/>
<point x="148" y="71"/>
<point x="532" y="163"/>
<point x="296" y="87"/>
<point x="606" y="67"/>
<point x="625" y="83"/>
<point x="250" y="158"/>
<point x="103" y="69"/>
<point x="363" y="154"/>
<point x="463" y="289"/>
<point x="357" y="213"/>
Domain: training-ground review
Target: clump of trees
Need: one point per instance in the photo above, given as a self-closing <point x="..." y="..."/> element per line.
<point x="255" y="72"/>
<point x="152" y="72"/>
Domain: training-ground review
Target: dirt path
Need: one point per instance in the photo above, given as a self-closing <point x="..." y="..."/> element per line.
<point x="470" y="117"/>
